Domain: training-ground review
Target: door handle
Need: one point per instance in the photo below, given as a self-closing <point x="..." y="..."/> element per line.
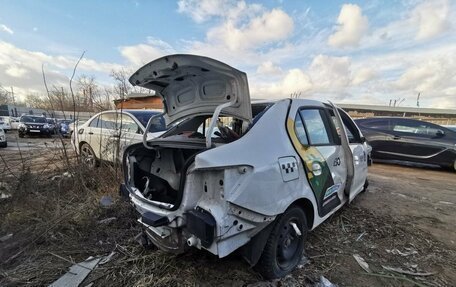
<point x="316" y="168"/>
<point x="90" y="133"/>
<point x="396" y="137"/>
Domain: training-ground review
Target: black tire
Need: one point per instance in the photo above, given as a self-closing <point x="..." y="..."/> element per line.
<point x="5" y="144"/>
<point x="21" y="135"/>
<point x="88" y="156"/>
<point x="366" y="185"/>
<point x="284" y="248"/>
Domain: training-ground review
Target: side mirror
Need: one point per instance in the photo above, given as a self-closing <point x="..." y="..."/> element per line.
<point x="363" y="139"/>
<point x="439" y="133"/>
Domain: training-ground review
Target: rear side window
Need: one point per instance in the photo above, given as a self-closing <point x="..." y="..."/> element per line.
<point x="129" y="125"/>
<point x="108" y="121"/>
<point x="381" y="124"/>
<point x="94" y="122"/>
<point x="417" y="128"/>
<point x="316" y="126"/>
<point x="300" y="130"/>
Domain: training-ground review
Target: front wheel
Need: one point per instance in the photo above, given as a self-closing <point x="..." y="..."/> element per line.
<point x="285" y="245"/>
<point x="88" y="156"/>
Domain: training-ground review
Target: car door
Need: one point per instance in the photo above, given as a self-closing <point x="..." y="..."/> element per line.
<point x="358" y="147"/>
<point x="414" y="140"/>
<point x="91" y="134"/>
<point x="315" y="139"/>
<point x="378" y="133"/>
<point x="110" y="136"/>
<point x="130" y="132"/>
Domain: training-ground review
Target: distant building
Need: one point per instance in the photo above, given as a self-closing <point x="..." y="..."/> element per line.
<point x="17" y="111"/>
<point x="438" y="116"/>
<point x="139" y="101"/>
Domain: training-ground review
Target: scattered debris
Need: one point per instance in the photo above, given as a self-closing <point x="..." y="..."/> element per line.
<point x="106" y="220"/>
<point x="67" y="174"/>
<point x="396" y="251"/>
<point x="304" y="262"/>
<point x="4" y="195"/>
<point x="6" y="237"/>
<point x="106" y="201"/>
<point x="399" y="194"/>
<point x="107" y="258"/>
<point x="362" y="263"/>
<point x="360" y="236"/>
<point x="78" y="272"/>
<point x="446" y="202"/>
<point x="324" y="283"/>
<point x="400" y="270"/>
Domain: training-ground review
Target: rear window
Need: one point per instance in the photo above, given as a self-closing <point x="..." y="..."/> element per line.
<point x="158" y="125"/>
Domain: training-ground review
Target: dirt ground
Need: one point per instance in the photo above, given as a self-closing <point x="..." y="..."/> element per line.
<point x="406" y="220"/>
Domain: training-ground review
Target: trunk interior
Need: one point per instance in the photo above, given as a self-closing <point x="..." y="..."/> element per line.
<point x="159" y="174"/>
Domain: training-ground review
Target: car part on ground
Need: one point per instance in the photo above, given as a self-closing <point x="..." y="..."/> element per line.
<point x="271" y="171"/>
<point x="410" y="140"/>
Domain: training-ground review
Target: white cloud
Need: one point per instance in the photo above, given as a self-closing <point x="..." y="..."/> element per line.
<point x="352" y="26"/>
<point x="21" y="68"/>
<point x="143" y="53"/>
<point x="294" y="81"/>
<point x="330" y="73"/>
<point x="16" y="71"/>
<point x="431" y="18"/>
<point x="6" y="29"/>
<point x="363" y="75"/>
<point x="271" y="26"/>
<point x="202" y="10"/>
<point x="268" y="68"/>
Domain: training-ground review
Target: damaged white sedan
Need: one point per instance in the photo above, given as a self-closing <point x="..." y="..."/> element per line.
<point x="235" y="176"/>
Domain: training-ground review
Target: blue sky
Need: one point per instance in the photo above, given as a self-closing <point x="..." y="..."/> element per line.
<point x="358" y="51"/>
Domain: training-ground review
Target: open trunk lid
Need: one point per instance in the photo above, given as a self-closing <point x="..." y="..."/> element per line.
<point x="193" y="85"/>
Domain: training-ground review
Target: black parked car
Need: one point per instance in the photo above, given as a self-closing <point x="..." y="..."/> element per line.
<point x="33" y="125"/>
<point x="410" y="140"/>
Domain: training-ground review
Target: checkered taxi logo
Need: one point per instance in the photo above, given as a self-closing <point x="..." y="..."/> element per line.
<point x="289" y="168"/>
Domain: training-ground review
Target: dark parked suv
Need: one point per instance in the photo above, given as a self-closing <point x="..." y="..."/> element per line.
<point x="33" y="125"/>
<point x="410" y="140"/>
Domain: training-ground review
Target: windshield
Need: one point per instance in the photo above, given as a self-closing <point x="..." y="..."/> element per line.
<point x="143" y="117"/>
<point x="31" y="119"/>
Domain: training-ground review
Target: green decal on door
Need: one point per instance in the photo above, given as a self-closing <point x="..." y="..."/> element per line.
<point x="320" y="181"/>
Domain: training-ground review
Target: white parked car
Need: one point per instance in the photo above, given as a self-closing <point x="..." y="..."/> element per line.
<point x="3" y="141"/>
<point x="5" y="124"/>
<point x="105" y="136"/>
<point x="271" y="172"/>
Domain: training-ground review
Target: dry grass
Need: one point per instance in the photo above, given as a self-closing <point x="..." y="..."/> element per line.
<point x="55" y="222"/>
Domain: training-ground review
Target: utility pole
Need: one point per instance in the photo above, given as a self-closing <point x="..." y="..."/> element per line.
<point x="12" y="95"/>
<point x="418" y="100"/>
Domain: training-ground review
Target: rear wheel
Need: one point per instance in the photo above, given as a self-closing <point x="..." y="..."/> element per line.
<point x="285" y="245"/>
<point x="88" y="156"/>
